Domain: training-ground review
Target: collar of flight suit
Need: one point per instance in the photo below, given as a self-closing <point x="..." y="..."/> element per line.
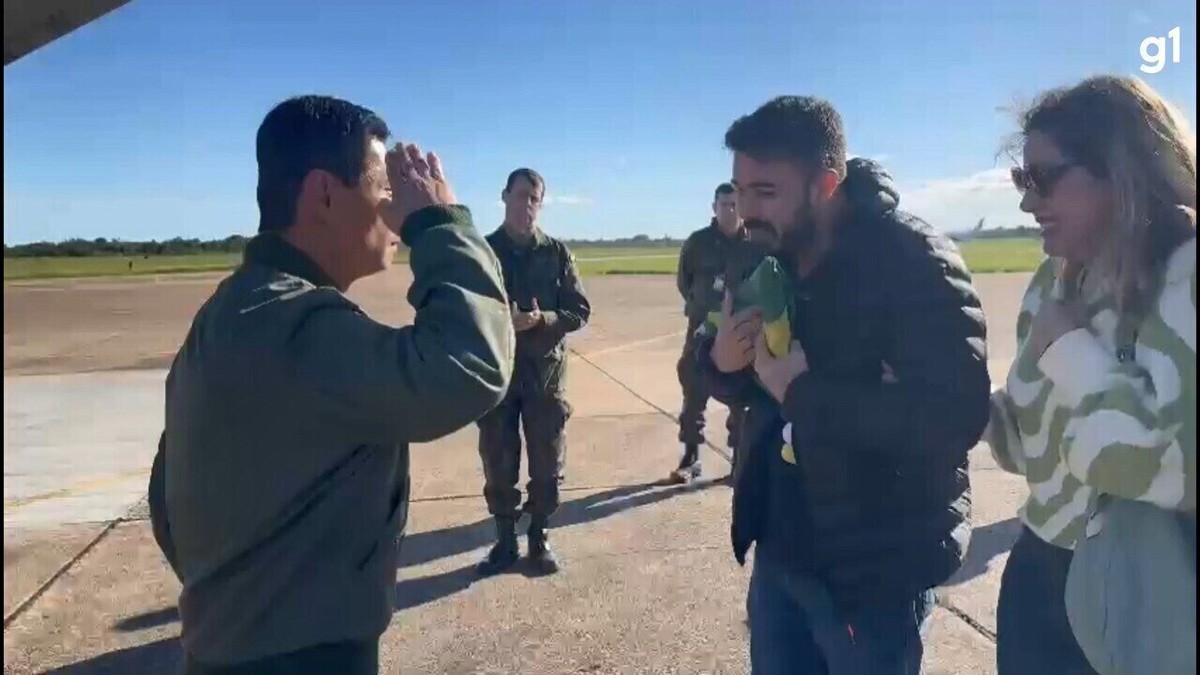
<point x="740" y="234"/>
<point x="539" y="239"/>
<point x="270" y="249"/>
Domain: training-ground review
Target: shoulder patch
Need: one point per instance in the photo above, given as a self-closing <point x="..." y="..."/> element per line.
<point x="280" y="290"/>
<point x="287" y="285"/>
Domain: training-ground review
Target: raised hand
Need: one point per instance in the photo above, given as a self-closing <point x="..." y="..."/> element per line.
<point x="777" y="373"/>
<point x="733" y="348"/>
<point x="417" y="181"/>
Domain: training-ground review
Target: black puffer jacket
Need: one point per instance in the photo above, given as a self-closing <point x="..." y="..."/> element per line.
<point x="877" y="500"/>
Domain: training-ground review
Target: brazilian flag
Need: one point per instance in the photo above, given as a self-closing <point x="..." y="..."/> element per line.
<point x="767" y="289"/>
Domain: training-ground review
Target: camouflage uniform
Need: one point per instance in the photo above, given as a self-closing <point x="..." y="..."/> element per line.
<point x="709" y="262"/>
<point x="544" y="270"/>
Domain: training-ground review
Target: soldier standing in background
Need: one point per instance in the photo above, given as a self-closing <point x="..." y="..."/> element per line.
<point x="706" y="264"/>
<point x="547" y="302"/>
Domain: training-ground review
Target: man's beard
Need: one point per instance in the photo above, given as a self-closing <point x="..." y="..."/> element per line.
<point x="800" y="236"/>
<point x="795" y="238"/>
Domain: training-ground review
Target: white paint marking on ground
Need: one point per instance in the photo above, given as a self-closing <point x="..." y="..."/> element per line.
<point x="628" y="257"/>
<point x="632" y="345"/>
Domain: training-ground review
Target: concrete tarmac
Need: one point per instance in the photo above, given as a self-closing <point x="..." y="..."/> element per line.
<point x="649" y="583"/>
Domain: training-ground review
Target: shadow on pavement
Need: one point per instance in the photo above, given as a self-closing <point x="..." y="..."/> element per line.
<point x="425" y="547"/>
<point x="148" y="620"/>
<point x="987" y="542"/>
<point x="165" y="656"/>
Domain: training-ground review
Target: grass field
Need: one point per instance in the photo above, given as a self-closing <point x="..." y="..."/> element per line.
<point x="983" y="256"/>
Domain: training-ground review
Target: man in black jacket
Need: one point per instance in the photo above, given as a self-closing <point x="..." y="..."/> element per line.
<point x="854" y="484"/>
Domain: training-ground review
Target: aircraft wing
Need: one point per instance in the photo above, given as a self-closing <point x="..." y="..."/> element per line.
<point x="32" y="24"/>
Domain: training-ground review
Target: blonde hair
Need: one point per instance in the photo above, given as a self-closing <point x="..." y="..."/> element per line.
<point x="1121" y="130"/>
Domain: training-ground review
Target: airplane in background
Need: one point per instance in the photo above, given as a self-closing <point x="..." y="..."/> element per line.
<point x="968" y="235"/>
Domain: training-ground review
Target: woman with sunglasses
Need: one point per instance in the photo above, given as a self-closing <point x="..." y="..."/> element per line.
<point x="1090" y="407"/>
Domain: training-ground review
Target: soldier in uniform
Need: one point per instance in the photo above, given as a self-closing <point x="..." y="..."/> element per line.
<point x="547" y="302"/>
<point x="712" y="259"/>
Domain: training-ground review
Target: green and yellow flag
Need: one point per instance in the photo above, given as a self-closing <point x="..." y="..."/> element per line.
<point x="767" y="289"/>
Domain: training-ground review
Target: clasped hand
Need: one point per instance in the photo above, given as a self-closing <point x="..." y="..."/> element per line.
<point x="523" y="321"/>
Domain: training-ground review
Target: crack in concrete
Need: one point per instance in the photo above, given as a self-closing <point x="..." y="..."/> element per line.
<point x="720" y="452"/>
<point x="132" y="515"/>
<point x="66" y="566"/>
<point x="962" y="615"/>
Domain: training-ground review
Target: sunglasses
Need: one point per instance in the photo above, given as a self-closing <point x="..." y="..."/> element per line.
<point x="1040" y="179"/>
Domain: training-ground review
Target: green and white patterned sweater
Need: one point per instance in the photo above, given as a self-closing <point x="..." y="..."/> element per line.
<point x="1078" y="422"/>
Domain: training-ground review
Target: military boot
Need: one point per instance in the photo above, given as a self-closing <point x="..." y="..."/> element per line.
<point x="505" y="552"/>
<point x="541" y="556"/>
<point x="689" y="465"/>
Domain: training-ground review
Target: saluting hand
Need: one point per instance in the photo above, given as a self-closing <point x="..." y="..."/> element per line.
<point x="417" y="181"/>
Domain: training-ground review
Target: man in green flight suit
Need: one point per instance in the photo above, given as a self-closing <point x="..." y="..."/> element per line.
<point x="547" y="302"/>
<point x="713" y="259"/>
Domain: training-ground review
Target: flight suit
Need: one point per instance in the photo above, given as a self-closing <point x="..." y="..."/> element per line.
<point x="709" y="262"/>
<point x="536" y="401"/>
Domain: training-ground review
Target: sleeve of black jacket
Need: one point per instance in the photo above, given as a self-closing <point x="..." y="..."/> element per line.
<point x="731" y="389"/>
<point x="420" y="382"/>
<point x="157" y="501"/>
<point x="937" y="350"/>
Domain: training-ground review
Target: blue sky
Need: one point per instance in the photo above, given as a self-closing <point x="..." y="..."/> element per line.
<point x="141" y="125"/>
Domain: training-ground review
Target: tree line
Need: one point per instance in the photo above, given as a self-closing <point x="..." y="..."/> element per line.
<point x="101" y="246"/>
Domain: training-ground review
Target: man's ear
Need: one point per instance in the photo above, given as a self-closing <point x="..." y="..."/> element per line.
<point x="827" y="183"/>
<point x="316" y="190"/>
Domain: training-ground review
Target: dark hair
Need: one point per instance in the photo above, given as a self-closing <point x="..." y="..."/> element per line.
<point x="801" y="128"/>
<point x="535" y="179"/>
<point x="303" y="134"/>
<point x="723" y="189"/>
<point x="1122" y="130"/>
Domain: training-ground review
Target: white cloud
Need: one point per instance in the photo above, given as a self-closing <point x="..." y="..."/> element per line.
<point x="877" y="158"/>
<point x="560" y="200"/>
<point x="568" y="200"/>
<point x="954" y="204"/>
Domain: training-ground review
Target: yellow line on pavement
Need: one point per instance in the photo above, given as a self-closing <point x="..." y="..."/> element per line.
<point x="74" y="490"/>
<point x="632" y="345"/>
